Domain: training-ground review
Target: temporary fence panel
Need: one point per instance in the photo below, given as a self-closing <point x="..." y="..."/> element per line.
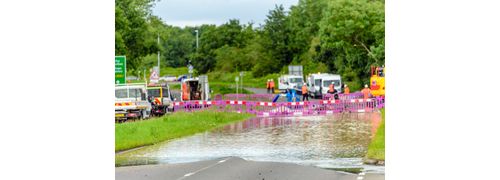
<point x="266" y="108"/>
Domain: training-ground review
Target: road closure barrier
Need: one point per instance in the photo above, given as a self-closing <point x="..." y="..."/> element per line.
<point x="267" y="108"/>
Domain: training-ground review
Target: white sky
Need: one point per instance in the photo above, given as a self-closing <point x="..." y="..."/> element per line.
<point x="196" y="12"/>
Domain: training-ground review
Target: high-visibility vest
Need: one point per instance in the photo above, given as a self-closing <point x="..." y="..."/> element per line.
<point x="304" y="89"/>
<point x="346" y="90"/>
<point x="268" y="84"/>
<point x="330" y="88"/>
<point x="271" y="84"/>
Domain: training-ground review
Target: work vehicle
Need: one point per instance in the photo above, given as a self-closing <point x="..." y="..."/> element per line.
<point x="182" y="77"/>
<point x="161" y="99"/>
<point x="132" y="78"/>
<point x="131" y="102"/>
<point x="293" y="80"/>
<point x="318" y="84"/>
<point x="195" y="89"/>
<point x="168" y="78"/>
<point x="377" y="81"/>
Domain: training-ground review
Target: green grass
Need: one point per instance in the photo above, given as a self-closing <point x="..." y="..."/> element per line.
<point x="173" y="71"/>
<point x="179" y="124"/>
<point x="223" y="88"/>
<point x="248" y="79"/>
<point x="175" y="86"/>
<point x="376" y="150"/>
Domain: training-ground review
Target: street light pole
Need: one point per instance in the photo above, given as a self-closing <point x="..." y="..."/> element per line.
<point x="158" y="54"/>
<point x="196" y="39"/>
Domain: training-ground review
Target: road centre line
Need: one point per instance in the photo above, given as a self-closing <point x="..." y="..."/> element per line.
<point x="199" y="170"/>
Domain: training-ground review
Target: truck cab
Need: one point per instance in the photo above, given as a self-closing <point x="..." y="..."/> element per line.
<point x="290" y="82"/>
<point x="377" y="81"/>
<point x="318" y="84"/>
<point x="160" y="98"/>
<point x="131" y="102"/>
<point x="195" y="89"/>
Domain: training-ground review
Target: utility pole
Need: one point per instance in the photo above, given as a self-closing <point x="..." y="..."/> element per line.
<point x="158" y="54"/>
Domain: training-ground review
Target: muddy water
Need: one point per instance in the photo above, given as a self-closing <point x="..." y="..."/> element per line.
<point x="338" y="141"/>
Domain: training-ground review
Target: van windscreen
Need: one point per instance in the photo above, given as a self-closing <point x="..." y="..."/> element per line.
<point x="296" y="80"/>
<point x="327" y="83"/>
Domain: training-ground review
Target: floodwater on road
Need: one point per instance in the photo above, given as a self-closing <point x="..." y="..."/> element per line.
<point x="335" y="142"/>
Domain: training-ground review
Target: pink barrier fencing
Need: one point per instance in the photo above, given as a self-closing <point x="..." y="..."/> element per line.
<point x="355" y="95"/>
<point x="266" y="108"/>
<point x="269" y="97"/>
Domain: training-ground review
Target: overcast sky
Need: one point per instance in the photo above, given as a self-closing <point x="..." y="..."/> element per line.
<point x="196" y="12"/>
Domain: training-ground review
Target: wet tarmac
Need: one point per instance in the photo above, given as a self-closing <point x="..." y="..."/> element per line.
<point x="331" y="142"/>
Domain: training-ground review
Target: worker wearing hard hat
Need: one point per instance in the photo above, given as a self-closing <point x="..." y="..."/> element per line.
<point x="271" y="85"/>
<point x="346" y="89"/>
<point x="331" y="88"/>
<point x="366" y="92"/>
<point x="304" y="92"/>
<point x="268" y="86"/>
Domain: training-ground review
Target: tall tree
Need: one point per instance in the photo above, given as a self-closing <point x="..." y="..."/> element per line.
<point x="132" y="32"/>
<point x="352" y="37"/>
<point x="276" y="34"/>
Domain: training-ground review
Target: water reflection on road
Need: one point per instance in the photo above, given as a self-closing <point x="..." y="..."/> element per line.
<point x="338" y="141"/>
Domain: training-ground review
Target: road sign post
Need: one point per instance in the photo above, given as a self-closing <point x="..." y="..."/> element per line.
<point x="190" y="71"/>
<point x="154" y="77"/>
<point x="237" y="79"/>
<point x="120" y="70"/>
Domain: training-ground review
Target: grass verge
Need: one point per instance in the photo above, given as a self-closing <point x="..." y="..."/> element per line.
<point x="248" y="79"/>
<point x="221" y="88"/>
<point x="376" y="150"/>
<point x="180" y="124"/>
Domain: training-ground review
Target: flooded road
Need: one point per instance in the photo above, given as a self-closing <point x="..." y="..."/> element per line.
<point x="334" y="142"/>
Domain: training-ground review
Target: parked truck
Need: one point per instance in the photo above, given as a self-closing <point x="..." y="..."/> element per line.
<point x="131" y="102"/>
<point x="195" y="89"/>
<point x="293" y="80"/>
<point x="319" y="83"/>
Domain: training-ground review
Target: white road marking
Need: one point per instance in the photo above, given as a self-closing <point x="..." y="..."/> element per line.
<point x="360" y="177"/>
<point x="362" y="173"/>
<point x="199" y="170"/>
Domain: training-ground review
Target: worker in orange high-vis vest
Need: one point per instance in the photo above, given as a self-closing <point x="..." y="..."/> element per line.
<point x="346" y="89"/>
<point x="271" y="85"/>
<point x="268" y="85"/>
<point x="366" y="92"/>
<point x="185" y="94"/>
<point x="304" y="92"/>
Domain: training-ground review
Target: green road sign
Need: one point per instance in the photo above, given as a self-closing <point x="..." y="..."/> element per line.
<point x="120" y="69"/>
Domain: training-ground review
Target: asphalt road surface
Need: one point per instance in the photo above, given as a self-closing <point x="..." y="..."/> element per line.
<point x="257" y="90"/>
<point x="234" y="168"/>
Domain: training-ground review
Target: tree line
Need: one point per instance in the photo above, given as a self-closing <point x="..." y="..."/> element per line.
<point x="345" y="37"/>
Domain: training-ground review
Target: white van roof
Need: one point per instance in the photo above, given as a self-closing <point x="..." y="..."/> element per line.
<point x="325" y="75"/>
<point x="293" y="76"/>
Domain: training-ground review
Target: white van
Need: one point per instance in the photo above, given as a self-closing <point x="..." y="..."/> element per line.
<point x="290" y="81"/>
<point x="321" y="81"/>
